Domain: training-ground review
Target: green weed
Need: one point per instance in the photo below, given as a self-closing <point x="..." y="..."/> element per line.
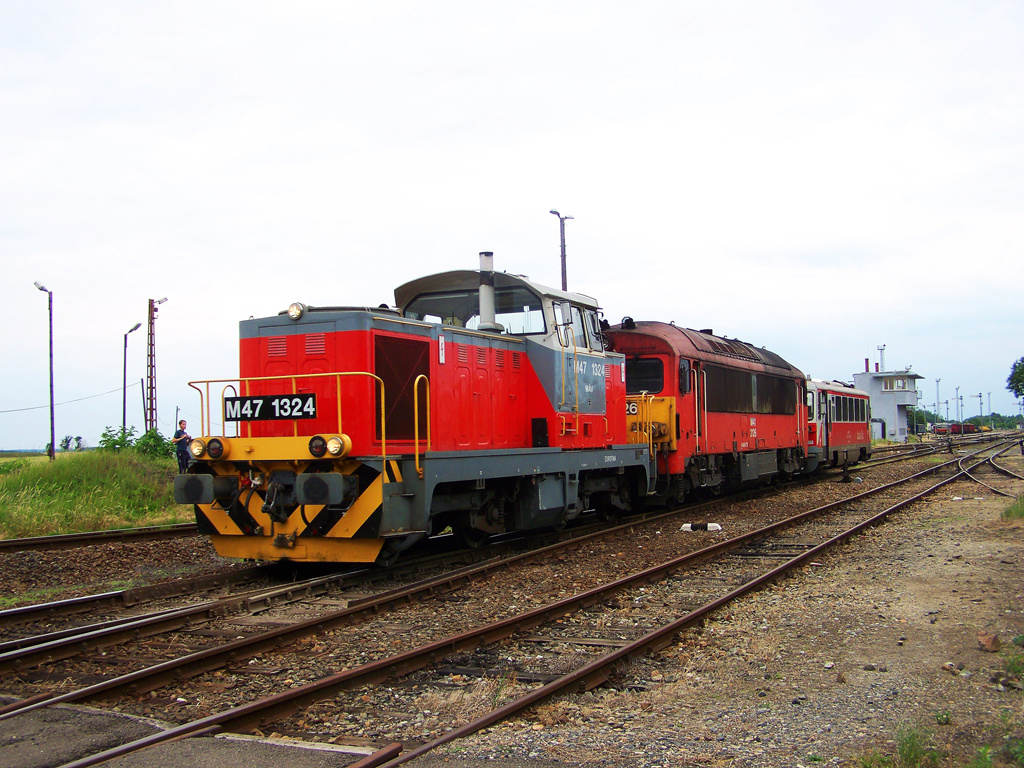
<point x="983" y="759"/>
<point x="1013" y="660"/>
<point x="913" y="749"/>
<point x="874" y="760"/>
<point x="1015" y="750"/>
<point x="1016" y="510"/>
<point x="10" y="467"/>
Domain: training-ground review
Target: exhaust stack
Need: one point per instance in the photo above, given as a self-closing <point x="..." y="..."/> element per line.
<point x="487" y="319"/>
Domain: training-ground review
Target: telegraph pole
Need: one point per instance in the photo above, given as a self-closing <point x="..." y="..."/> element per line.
<point x="151" y="365"/>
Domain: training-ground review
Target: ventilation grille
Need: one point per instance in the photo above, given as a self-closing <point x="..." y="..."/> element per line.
<point x="316" y="344"/>
<point x="277" y="346"/>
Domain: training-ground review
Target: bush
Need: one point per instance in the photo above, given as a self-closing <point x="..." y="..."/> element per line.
<point x="154" y="444"/>
<point x="151" y="444"/>
<point x="117" y="439"/>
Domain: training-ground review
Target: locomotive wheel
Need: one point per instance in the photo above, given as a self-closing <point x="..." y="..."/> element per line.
<point x="387" y="556"/>
<point x="471" y="538"/>
<point x="608" y="514"/>
<point x="606" y="511"/>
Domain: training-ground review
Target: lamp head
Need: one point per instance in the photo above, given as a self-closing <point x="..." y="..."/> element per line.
<point x="554" y="212"/>
<point x="41" y="287"/>
<point x="134" y="328"/>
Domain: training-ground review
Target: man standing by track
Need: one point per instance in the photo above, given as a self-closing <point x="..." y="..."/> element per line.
<point x="181" y="440"/>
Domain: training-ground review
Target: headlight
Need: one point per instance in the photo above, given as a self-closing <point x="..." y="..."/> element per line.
<point x="196" y="448"/>
<point x="218" y="448"/>
<point x="339" y="446"/>
<point x="317" y="446"/>
<point x="296" y="310"/>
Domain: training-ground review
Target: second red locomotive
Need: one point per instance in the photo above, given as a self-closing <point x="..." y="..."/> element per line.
<point x="725" y="413"/>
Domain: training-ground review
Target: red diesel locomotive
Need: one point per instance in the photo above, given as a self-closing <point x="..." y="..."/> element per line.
<point x="483" y="402"/>
<point x="723" y="413"/>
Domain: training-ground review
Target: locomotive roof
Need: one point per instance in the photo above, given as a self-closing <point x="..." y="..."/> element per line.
<point x="701" y="345"/>
<point x="469" y="279"/>
<point x="838" y="386"/>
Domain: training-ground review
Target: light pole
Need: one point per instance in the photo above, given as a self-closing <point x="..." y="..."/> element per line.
<point x="53" y="445"/>
<point x="561" y="227"/>
<point x="124" y="385"/>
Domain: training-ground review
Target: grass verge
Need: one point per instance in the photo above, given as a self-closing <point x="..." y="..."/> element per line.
<point x="88" y="491"/>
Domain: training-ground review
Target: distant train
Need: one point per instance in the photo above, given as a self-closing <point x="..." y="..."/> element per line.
<point x="484" y="403"/>
<point x="955" y="428"/>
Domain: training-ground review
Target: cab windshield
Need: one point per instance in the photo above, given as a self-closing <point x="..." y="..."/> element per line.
<point x="519" y="311"/>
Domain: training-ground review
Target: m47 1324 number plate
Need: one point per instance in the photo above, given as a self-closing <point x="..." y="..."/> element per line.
<point x="270" y="407"/>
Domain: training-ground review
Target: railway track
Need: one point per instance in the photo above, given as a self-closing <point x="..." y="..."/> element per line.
<point x="71" y="540"/>
<point x="653" y="591"/>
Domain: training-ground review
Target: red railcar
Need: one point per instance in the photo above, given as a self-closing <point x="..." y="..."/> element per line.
<point x="838" y="424"/>
<point x="725" y="413"/>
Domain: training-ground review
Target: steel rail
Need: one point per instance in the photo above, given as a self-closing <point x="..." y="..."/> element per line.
<point x="127" y="597"/>
<point x="57" y="646"/>
<point x="981" y="482"/>
<point x="1003" y="469"/>
<point x="72" y="540"/>
<point x="917" y="453"/>
<point x="274" y="707"/>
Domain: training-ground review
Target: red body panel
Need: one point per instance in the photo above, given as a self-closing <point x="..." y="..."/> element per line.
<point x="484" y="392"/>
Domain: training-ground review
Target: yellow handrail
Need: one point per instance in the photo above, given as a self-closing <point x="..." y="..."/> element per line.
<point x="206" y="402"/>
<point x="416" y="419"/>
<point x="644" y="431"/>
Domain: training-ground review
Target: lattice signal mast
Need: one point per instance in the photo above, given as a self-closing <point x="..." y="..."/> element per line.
<point x="151" y="365"/>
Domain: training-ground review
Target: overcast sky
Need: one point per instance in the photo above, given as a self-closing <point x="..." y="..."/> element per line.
<point x="818" y="178"/>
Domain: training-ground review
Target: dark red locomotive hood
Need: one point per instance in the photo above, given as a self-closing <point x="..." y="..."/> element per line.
<point x="651" y="336"/>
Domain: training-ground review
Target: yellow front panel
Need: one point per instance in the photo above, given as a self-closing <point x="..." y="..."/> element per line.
<point x="311" y="550"/>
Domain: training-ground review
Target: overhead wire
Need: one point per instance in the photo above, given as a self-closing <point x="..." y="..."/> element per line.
<point x="67" y="402"/>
